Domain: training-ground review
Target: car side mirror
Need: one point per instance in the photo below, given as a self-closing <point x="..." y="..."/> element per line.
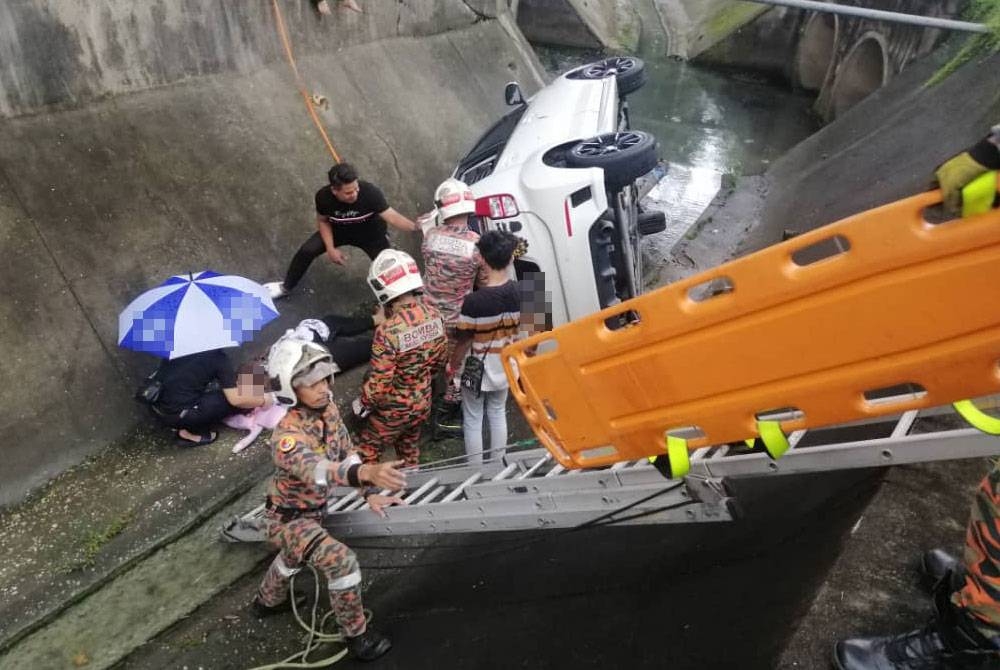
<point x="512" y="94"/>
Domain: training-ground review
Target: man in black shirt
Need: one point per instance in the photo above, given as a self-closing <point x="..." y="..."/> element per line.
<point x="198" y="391"/>
<point x="349" y="212"/>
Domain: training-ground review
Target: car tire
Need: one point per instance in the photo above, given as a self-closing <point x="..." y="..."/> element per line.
<point x="624" y="156"/>
<point x="629" y="72"/>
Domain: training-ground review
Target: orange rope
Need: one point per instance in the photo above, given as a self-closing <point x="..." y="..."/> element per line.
<point x="298" y="80"/>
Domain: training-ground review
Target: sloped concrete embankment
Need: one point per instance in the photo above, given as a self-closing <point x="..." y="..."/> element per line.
<point x="883" y="149"/>
<point x="142" y="140"/>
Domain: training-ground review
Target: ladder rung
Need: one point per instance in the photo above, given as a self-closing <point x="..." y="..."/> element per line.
<point x="432" y="496"/>
<point x="457" y="491"/>
<point x="414" y="495"/>
<point x="343" y="501"/>
<point x="795" y="438"/>
<point x="505" y="473"/>
<point x="534" y="468"/>
<point x="905" y="423"/>
<point x="363" y="504"/>
<point x="558" y="469"/>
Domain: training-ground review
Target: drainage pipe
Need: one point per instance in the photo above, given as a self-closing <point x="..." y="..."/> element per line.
<point x="880" y="15"/>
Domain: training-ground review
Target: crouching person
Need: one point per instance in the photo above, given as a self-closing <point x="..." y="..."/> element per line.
<point x="312" y="450"/>
<point x="407" y="350"/>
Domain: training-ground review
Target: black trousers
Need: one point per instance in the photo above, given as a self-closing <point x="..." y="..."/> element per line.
<point x="350" y="341"/>
<point x="210" y="409"/>
<point x="314" y="248"/>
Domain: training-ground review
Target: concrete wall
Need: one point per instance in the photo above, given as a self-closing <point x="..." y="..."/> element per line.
<point x="884" y="149"/>
<point x="589" y="24"/>
<point x="694" y="26"/>
<point x="145" y="139"/>
<point x="841" y="59"/>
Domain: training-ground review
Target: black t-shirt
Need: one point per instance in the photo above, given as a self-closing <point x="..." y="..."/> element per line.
<point x="358" y="220"/>
<point x="185" y="379"/>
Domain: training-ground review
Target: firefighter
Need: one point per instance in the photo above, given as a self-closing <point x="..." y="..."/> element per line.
<point x="407" y="349"/>
<point x="453" y="267"/>
<point x="965" y="631"/>
<point x="959" y="171"/>
<point x="312" y="450"/>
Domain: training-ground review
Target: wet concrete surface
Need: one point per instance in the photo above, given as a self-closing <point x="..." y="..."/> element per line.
<point x="691" y="596"/>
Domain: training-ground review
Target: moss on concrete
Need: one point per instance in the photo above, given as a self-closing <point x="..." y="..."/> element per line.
<point x="981" y="45"/>
<point x="729" y="19"/>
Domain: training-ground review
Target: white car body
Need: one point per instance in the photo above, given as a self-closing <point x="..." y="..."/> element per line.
<point x="558" y="205"/>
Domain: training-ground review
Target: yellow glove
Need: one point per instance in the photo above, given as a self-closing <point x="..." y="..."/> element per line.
<point x="954" y="175"/>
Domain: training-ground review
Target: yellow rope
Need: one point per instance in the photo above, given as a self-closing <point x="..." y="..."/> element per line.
<point x="283" y="33"/>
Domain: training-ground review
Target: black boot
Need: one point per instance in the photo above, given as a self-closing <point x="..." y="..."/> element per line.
<point x="369" y="645"/>
<point x="938" y="564"/>
<point x="448" y="420"/>
<point x="948" y="642"/>
<point x="260" y="610"/>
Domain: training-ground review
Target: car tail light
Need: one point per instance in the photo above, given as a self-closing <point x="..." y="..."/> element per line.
<point x="500" y="206"/>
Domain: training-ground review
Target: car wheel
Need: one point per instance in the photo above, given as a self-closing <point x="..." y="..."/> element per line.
<point x="629" y="72"/>
<point x="624" y="156"/>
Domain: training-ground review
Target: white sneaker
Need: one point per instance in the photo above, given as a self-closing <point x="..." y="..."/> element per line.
<point x="276" y="289"/>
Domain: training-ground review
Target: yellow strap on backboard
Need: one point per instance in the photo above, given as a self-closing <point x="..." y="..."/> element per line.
<point x="977" y="418"/>
<point x="775" y="442"/>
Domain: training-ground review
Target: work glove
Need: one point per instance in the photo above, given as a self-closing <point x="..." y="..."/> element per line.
<point x="359" y="409"/>
<point x="954" y="175"/>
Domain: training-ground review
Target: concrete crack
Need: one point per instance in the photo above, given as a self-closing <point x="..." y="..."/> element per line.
<point x="392" y="152"/>
<point x="480" y="15"/>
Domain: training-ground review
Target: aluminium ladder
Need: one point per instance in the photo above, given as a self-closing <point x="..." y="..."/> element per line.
<point x="530" y="491"/>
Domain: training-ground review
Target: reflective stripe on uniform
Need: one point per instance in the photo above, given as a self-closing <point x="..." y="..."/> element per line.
<point x="347" y="581"/>
<point x="284" y="570"/>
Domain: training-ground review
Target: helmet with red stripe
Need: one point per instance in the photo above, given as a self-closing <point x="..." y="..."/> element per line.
<point x="392" y="274"/>
<point x="454" y="198"/>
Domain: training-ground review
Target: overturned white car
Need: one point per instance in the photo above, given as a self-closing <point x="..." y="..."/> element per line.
<point x="560" y="170"/>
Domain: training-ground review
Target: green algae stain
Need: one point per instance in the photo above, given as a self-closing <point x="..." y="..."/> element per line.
<point x="96" y="539"/>
<point x="729" y="19"/>
<point x="980" y="45"/>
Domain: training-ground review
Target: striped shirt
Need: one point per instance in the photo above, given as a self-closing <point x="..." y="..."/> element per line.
<point x="492" y="315"/>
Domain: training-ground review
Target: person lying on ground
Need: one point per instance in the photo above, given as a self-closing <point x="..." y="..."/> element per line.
<point x="348" y="338"/>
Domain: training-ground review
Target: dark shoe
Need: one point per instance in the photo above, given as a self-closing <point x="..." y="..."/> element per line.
<point x="918" y="649"/>
<point x="948" y="642"/>
<point x="936" y="565"/>
<point x="448" y="420"/>
<point x="922" y="649"/>
<point x="262" y="611"/>
<point x="369" y="645"/>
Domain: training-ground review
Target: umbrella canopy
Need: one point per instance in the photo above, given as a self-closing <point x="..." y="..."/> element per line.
<point x="197" y="312"/>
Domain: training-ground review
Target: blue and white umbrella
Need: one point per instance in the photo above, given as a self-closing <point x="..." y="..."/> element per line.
<point x="196" y="312"/>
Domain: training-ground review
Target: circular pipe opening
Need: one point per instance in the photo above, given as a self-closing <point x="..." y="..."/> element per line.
<point x="864" y="70"/>
<point x="814" y="54"/>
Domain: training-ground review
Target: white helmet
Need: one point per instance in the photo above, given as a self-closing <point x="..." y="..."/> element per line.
<point x="292" y="363"/>
<point x="454" y="198"/>
<point x="392" y="274"/>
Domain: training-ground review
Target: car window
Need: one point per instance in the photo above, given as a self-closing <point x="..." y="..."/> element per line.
<point x="479" y="163"/>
